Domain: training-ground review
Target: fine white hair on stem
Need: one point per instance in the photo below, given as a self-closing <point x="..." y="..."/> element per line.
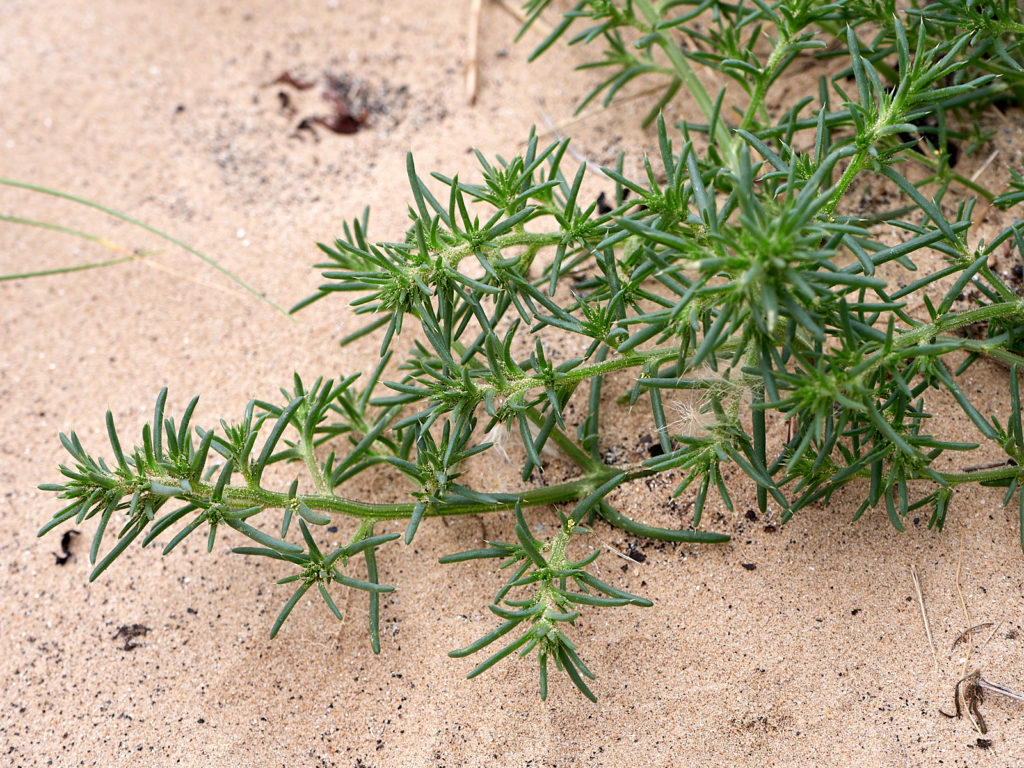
<point x="499" y="435"/>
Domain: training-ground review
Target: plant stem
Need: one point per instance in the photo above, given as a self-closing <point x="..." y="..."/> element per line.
<point x="983" y="476"/>
<point x="723" y="137"/>
<point x="532" y="241"/>
<point x="761" y="89"/>
<point x="313" y="466"/>
<point x="242" y="497"/>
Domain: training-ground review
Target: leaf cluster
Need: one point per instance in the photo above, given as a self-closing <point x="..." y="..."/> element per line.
<point x="560" y="587"/>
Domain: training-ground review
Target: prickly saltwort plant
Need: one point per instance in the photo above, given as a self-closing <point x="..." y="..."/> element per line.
<point x="737" y="267"/>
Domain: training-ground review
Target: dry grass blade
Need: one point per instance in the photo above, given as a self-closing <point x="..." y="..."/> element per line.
<point x="924" y="616"/>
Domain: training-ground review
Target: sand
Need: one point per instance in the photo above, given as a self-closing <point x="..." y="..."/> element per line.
<point x="793" y="646"/>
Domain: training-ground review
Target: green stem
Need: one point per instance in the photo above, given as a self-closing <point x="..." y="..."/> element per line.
<point x="959" y="320"/>
<point x="852" y="171"/>
<point x="934" y="332"/>
<point x="364" y="530"/>
<point x="313" y="466"/>
<point x="574" y="377"/>
<point x="242" y="497"/>
<point x="577" y="375"/>
<point x="532" y="241"/>
<point x="763" y="82"/>
<point x="683" y="70"/>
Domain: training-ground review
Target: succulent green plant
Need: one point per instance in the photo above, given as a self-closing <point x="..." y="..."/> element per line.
<point x="738" y="267"/>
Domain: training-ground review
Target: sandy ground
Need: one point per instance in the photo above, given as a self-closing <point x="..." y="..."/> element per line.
<point x="815" y="656"/>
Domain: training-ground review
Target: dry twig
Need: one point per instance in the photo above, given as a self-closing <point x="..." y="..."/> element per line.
<point x="971" y="693"/>
<point x="579" y="156"/>
<point x="963" y="603"/>
<point x="991" y="634"/>
<point x="473" y="54"/>
<point x="967" y="632"/>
